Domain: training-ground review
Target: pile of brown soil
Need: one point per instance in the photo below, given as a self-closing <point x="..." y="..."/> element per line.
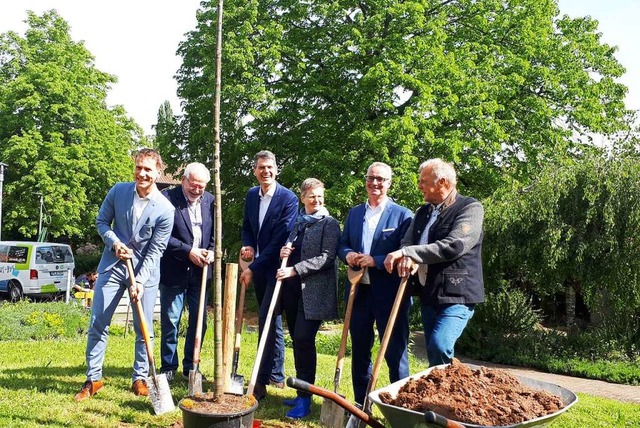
<point x="489" y="397"/>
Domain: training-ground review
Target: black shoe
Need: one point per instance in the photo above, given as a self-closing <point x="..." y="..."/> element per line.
<point x="259" y="391"/>
<point x="171" y="375"/>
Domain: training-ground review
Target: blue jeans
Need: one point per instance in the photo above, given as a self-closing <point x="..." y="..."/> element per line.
<point x="109" y="288"/>
<point x="172" y="302"/>
<point x="443" y="325"/>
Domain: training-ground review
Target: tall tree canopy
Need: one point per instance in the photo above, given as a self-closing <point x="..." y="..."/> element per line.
<point x="498" y="87"/>
<point x="57" y="134"/>
<point x="576" y="225"/>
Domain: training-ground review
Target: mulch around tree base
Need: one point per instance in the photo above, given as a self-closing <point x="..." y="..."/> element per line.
<point x="229" y="404"/>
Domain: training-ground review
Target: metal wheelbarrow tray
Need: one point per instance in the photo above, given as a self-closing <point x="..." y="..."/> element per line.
<point x="399" y="417"/>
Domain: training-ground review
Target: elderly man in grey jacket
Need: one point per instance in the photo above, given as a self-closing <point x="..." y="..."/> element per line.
<point x="445" y="236"/>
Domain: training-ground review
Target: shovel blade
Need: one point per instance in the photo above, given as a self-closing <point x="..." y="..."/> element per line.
<point x="195" y="382"/>
<point x="160" y="394"/>
<point x="355" y="422"/>
<point x="331" y="414"/>
<point x="236" y="385"/>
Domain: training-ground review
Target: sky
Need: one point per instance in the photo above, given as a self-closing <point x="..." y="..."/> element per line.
<point x="136" y="40"/>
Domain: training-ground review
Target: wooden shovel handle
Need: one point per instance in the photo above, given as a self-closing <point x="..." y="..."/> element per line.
<point x="354" y="280"/>
<point x="143" y="322"/>
<point x="244" y="264"/>
<point x="435" y="418"/>
<point x="302" y="385"/>
<point x="266" y="328"/>
<point x="385" y="342"/>
<point x="197" y="343"/>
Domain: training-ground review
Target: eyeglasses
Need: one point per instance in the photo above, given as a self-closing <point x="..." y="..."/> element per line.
<point x="196" y="185"/>
<point x="373" y="178"/>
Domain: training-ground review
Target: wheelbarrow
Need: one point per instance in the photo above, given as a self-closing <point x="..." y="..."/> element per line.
<point x="399" y="417"/>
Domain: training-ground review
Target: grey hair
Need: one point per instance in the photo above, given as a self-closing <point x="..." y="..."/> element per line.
<point x="264" y="154"/>
<point x="381" y="165"/>
<point x="310" y="184"/>
<point x="196" y="167"/>
<point x="441" y="169"/>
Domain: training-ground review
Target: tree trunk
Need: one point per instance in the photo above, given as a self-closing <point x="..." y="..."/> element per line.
<point x="217" y="300"/>
<point x="570" y="303"/>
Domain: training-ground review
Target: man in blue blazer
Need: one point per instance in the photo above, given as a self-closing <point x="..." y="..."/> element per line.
<point x="371" y="231"/>
<point x="190" y="248"/>
<point x="269" y="214"/>
<point x="135" y="222"/>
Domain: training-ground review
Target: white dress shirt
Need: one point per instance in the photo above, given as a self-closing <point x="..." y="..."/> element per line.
<point x="372" y="217"/>
<point x="265" y="201"/>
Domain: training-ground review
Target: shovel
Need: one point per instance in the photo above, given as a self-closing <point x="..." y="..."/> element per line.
<point x="159" y="391"/>
<point x="265" y="331"/>
<point x="195" y="377"/>
<point x="435" y="418"/>
<point x="353" y="422"/>
<point x="331" y="414"/>
<point x="236" y="386"/>
<point x="339" y="400"/>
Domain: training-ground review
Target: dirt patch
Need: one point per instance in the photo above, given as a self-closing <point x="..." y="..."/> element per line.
<point x="482" y="397"/>
<point x="229" y="404"/>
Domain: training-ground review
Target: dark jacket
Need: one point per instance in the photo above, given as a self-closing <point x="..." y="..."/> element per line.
<point x="317" y="269"/>
<point x="276" y="226"/>
<point x="453" y="252"/>
<point x="391" y="228"/>
<point x="175" y="267"/>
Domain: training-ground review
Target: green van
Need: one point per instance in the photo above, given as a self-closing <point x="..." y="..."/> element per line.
<point x="34" y="268"/>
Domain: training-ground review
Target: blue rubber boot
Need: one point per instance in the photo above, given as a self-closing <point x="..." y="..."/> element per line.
<point x="291" y="402"/>
<point x="301" y="409"/>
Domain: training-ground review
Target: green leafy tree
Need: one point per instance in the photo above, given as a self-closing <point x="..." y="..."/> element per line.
<point x="499" y="88"/>
<point x="56" y="132"/>
<point x="166" y="139"/>
<point x="576" y="227"/>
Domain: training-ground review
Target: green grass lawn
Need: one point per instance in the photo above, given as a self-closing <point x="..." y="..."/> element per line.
<point x="38" y="380"/>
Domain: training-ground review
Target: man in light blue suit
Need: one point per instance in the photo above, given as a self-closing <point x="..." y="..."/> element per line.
<point x="269" y="214"/>
<point x="371" y="231"/>
<point x="135" y="222"/>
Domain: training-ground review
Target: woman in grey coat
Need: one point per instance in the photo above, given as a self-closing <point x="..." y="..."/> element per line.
<point x="309" y="287"/>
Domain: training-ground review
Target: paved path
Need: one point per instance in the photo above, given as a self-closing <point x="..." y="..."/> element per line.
<point x="614" y="391"/>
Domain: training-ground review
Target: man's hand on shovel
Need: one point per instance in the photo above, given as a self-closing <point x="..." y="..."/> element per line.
<point x="246" y="258"/>
<point x="136" y="291"/>
<point x="404" y="264"/>
<point x="201" y="257"/>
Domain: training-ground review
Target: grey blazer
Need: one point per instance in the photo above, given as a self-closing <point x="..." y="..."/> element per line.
<point x="318" y="269"/>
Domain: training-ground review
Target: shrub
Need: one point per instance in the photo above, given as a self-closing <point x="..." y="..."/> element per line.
<point x="507" y="313"/>
<point x="42" y="320"/>
<point x="86" y="262"/>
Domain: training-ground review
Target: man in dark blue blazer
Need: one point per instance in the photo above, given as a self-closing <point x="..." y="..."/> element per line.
<point x="269" y="214"/>
<point x="371" y="231"/>
<point x="190" y="248"/>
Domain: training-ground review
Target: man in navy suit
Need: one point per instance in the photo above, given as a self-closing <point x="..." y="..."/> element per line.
<point x="190" y="248"/>
<point x="371" y="231"/>
<point x="135" y="223"/>
<point x="269" y="214"/>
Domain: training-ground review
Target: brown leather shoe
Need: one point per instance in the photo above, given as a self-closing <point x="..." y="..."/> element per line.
<point x="139" y="388"/>
<point x="89" y="389"/>
<point x="276" y="384"/>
